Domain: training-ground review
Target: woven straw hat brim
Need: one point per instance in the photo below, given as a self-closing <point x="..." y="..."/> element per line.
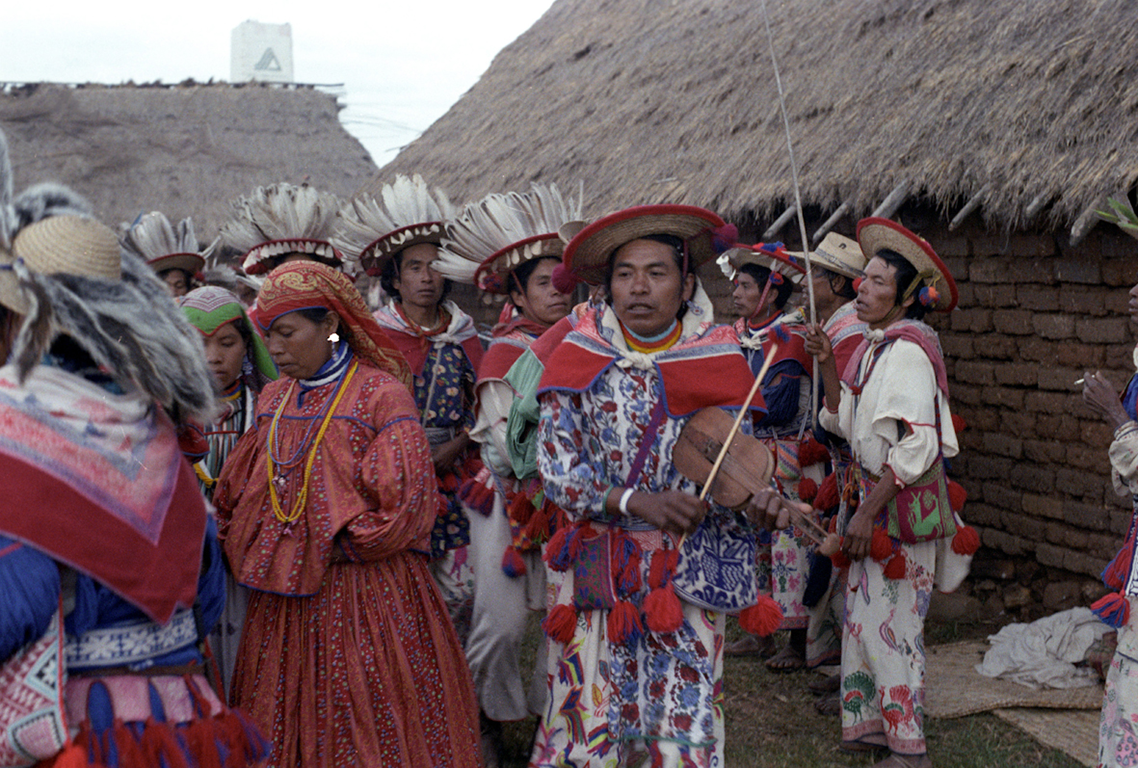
<point x="190" y="263"/>
<point x="737" y="257"/>
<point x="587" y="254"/>
<point x="379" y="251"/>
<point x="491" y="273"/>
<point x="70" y="245"/>
<point x="874" y="234"/>
<point x="839" y="254"/>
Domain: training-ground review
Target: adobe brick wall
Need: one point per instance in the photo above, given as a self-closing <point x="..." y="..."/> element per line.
<point x="1035" y="313"/>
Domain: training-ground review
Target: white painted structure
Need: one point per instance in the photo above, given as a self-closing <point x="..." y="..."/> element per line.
<point x="261" y="52"/>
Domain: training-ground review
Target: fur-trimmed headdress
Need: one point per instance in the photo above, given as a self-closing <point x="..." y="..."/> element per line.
<point x="274" y="221"/>
<point x="407" y="213"/>
<point x="68" y="276"/>
<point x="493" y="236"/>
<point x="163" y="246"/>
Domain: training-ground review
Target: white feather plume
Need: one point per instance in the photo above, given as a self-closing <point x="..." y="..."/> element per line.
<point x="152" y="236"/>
<point x="280" y="212"/>
<point x="364" y="219"/>
<point x="498" y="221"/>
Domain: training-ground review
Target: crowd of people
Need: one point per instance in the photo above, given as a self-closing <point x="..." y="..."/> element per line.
<point x="261" y="517"/>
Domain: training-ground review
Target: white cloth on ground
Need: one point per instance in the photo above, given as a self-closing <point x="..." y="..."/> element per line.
<point x="1043" y="654"/>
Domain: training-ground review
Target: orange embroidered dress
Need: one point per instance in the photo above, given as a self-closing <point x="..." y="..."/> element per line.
<point x="348" y="657"/>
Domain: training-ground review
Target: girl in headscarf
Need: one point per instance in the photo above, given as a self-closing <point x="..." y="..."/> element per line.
<point x="326" y="507"/>
<point x="241" y="366"/>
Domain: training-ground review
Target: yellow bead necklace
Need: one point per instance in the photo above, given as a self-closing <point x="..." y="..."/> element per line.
<point x="302" y="498"/>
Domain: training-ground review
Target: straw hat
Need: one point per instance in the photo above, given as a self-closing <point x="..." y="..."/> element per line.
<point x="841" y="255"/>
<point x="772" y="256"/>
<point x="875" y="234"/>
<point x="587" y="254"/>
<point x="73" y="245"/>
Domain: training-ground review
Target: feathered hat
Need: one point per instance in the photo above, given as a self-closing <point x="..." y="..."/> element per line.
<point x="407" y="213"/>
<point x="162" y="246"/>
<point x="495" y="235"/>
<point x="281" y="219"/>
<point x="68" y="276"/>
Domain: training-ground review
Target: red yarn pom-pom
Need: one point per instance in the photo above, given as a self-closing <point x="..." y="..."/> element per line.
<point x="513" y="565"/>
<point x="895" y="568"/>
<point x="563" y="280"/>
<point x="663" y="611"/>
<point x="810" y="451"/>
<point x="958" y="423"/>
<point x="956" y="495"/>
<point x="624" y="623"/>
<point x="966" y="541"/>
<point x="840" y="560"/>
<point x="560" y="624"/>
<point x="827" y="496"/>
<point x="807" y="489"/>
<point x="762" y="619"/>
<point x="880" y="545"/>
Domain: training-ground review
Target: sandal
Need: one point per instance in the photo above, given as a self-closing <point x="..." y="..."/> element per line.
<point x="762" y="647"/>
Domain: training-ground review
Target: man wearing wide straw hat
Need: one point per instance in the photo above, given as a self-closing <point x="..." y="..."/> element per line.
<point x="891" y="403"/>
<point x="637" y="589"/>
<point x="396" y="236"/>
<point x="101" y="364"/>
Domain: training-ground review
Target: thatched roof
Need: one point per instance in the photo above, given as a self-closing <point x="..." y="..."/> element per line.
<point x="675" y="101"/>
<point x="185" y="150"/>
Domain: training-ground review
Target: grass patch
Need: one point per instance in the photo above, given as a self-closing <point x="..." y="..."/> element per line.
<point x="771" y="722"/>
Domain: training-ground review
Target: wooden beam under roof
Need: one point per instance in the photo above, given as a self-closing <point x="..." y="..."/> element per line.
<point x="784" y="219"/>
<point x="970" y="207"/>
<point x="893" y="201"/>
<point x="830" y="223"/>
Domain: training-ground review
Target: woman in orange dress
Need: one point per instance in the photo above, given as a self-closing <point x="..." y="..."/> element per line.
<point x="348" y="657"/>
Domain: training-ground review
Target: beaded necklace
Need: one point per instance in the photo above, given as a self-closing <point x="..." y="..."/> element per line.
<point x="651" y="344"/>
<point x="302" y="498"/>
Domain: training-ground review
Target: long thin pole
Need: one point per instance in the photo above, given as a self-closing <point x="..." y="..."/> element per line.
<point x="797" y="205"/>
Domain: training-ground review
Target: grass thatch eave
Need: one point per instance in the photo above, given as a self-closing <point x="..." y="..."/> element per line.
<point x="661" y="101"/>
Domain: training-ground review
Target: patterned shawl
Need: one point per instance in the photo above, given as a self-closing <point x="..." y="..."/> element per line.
<point x="96" y="480"/>
<point x="308" y="285"/>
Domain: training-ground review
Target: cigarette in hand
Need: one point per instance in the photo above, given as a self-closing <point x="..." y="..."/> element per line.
<point x="1078" y="382"/>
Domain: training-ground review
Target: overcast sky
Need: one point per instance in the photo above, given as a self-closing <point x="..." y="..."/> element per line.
<point x="402" y="63"/>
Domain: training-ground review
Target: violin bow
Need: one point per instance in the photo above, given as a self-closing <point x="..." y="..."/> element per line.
<point x="798" y="207"/>
<point x="738" y="421"/>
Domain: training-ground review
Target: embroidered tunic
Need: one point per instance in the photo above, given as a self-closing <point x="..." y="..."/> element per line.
<point x="659" y="694"/>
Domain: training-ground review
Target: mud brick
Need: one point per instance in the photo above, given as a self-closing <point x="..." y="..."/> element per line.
<point x="1002" y="445"/>
<point x="1030" y="477"/>
<point x="1054" y="326"/>
<point x="988" y="270"/>
<point x="987" y="467"/>
<point x="1120" y="521"/>
<point x="1104" y="545"/>
<point x="1047" y="402"/>
<point x="1081" y="562"/>
<point x="1045" y="451"/>
<point x="1034" y="349"/>
<point x="1087" y="517"/>
<point x="1038" y="298"/>
<point x="1120" y="272"/>
<point x="1084" y="456"/>
<point x="1031" y="245"/>
<point x="997" y="494"/>
<point x="1097" y="434"/>
<point x="1049" y="554"/>
<point x="998" y="295"/>
<point x="1080" y="355"/>
<point x="1082" y="300"/>
<point x="1079" y="483"/>
<point x="1066" y="536"/>
<point x="1078" y="270"/>
<point x="1106" y="330"/>
<point x="1005" y="542"/>
<point x="1060" y="379"/>
<point x="974" y="372"/>
<point x="972" y="320"/>
<point x="983" y="514"/>
<point x="1017" y="322"/>
<point x="1039" y="505"/>
<point x="1031" y="528"/>
<point x="980" y="420"/>
<point x="965" y="394"/>
<point x="1003" y="397"/>
<point x="957" y="345"/>
<point x="1017" y="423"/>
<point x="1017" y="374"/>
